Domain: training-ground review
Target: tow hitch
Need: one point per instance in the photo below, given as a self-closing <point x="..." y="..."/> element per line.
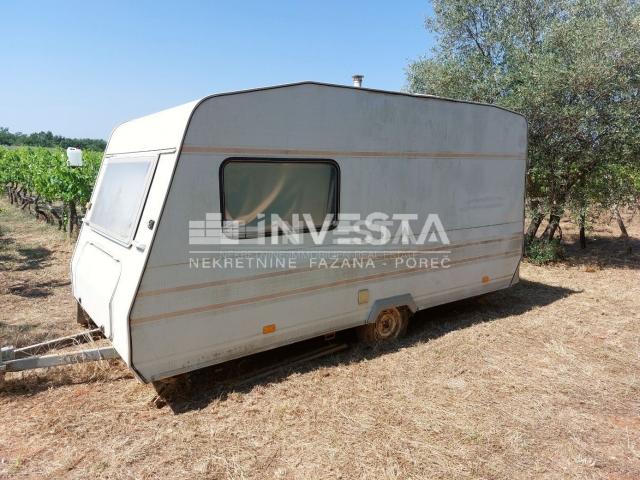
<point x="33" y="356"/>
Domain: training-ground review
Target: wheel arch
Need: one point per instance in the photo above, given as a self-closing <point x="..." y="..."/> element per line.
<point x="397" y="301"/>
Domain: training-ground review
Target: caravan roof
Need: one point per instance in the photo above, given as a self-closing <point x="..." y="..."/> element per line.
<point x="165" y="129"/>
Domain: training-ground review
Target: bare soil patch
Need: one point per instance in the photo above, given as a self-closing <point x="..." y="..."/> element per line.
<point x="537" y="381"/>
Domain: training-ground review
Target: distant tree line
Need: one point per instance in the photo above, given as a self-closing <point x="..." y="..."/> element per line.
<point x="48" y="139"/>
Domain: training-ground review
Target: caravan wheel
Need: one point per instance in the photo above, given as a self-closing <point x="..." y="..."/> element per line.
<point x="390" y="324"/>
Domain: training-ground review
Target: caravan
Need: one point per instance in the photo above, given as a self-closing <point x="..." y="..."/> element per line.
<point x="249" y="220"/>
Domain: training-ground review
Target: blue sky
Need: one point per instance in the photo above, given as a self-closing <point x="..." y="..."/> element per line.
<point x="78" y="68"/>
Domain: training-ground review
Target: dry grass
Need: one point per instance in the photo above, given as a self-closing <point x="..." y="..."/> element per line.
<point x="540" y="380"/>
<point x="34" y="279"/>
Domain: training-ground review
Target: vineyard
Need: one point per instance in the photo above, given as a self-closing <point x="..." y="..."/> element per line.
<point x="40" y="181"/>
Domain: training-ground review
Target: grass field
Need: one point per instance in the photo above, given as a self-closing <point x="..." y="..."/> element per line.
<point x="538" y="381"/>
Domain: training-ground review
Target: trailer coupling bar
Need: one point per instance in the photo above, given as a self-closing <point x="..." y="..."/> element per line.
<point x="26" y="358"/>
<point x="61" y="342"/>
<point x="53" y="360"/>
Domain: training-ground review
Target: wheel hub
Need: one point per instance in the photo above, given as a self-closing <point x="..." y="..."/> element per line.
<point x="387" y="323"/>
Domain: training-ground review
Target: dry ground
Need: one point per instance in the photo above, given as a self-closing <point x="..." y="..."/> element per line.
<point x="538" y="381"/>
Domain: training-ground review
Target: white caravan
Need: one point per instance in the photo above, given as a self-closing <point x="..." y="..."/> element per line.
<point x="149" y="268"/>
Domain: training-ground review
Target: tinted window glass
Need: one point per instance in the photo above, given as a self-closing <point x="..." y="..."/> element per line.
<point x="120" y="195"/>
<point x="279" y="187"/>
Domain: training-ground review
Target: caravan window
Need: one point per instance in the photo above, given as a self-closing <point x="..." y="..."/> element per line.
<point x="120" y="195"/>
<point x="284" y="187"/>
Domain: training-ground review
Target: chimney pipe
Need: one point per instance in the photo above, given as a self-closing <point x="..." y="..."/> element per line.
<point x="357" y="80"/>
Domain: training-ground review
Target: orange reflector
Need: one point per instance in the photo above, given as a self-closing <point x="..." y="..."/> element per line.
<point x="485" y="279"/>
<point x="269" y="328"/>
<point x="363" y="296"/>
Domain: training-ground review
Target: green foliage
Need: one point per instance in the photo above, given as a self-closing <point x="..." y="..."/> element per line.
<point x="48" y="139"/>
<point x="44" y="172"/>
<point x="571" y="67"/>
<point x="540" y="252"/>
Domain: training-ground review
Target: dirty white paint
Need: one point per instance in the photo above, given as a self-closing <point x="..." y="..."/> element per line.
<point x="396" y="153"/>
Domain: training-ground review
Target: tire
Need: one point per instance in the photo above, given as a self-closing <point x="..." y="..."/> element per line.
<point x="390" y="324"/>
<point x="82" y="318"/>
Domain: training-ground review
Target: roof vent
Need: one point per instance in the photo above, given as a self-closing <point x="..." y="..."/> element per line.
<point x="357" y="80"/>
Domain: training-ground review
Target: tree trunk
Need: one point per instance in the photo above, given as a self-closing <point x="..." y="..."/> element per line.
<point x="550" y="231"/>
<point x="534" y="225"/>
<point x="583" y="237"/>
<point x="623" y="230"/>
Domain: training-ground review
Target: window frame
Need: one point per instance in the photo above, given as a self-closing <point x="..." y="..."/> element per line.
<point x="99" y="229"/>
<point x="327" y="161"/>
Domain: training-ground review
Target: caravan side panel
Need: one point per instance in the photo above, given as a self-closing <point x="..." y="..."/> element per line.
<point x="396" y="153"/>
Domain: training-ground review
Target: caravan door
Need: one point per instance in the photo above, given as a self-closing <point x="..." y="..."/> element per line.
<point x="109" y="246"/>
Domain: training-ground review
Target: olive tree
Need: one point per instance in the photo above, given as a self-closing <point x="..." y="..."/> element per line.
<point x="571" y="67"/>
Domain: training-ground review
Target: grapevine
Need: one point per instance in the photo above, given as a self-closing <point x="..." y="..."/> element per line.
<point x="40" y="181"/>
